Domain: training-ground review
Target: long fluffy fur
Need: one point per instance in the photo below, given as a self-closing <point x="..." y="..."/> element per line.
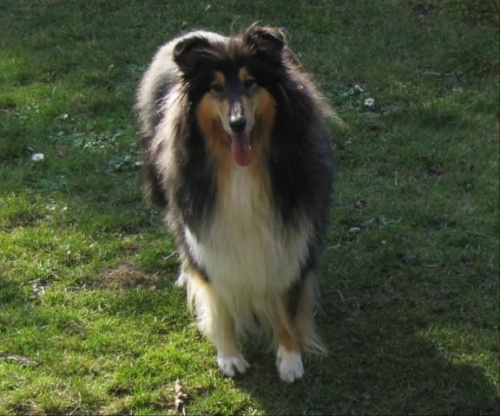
<point x="249" y="242"/>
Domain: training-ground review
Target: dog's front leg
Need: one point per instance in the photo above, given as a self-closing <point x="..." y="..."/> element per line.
<point x="216" y="323"/>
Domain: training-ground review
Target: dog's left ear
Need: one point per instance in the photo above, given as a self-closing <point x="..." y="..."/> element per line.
<point x="266" y="41"/>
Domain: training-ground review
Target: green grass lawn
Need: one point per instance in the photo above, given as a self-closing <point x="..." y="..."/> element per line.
<point x="90" y="321"/>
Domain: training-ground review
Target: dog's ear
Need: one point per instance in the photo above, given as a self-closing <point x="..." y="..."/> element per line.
<point x="188" y="52"/>
<point x="265" y="41"/>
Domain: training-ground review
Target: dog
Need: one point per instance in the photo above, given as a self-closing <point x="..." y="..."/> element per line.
<point x="237" y="151"/>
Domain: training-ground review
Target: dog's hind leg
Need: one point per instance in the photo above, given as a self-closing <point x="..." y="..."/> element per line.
<point x="216" y="323"/>
<point x="182" y="279"/>
<point x="288" y="358"/>
<point x="304" y="302"/>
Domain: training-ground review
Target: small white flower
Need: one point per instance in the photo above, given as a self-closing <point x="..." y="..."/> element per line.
<point x="369" y="102"/>
<point x="358" y="88"/>
<point x="37" y="157"/>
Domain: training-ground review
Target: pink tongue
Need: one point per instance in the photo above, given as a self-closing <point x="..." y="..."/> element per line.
<point x="241" y="149"/>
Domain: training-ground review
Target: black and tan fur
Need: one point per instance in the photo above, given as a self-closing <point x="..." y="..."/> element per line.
<point x="237" y="152"/>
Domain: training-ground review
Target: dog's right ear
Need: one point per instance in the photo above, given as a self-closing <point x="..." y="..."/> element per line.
<point x="188" y="52"/>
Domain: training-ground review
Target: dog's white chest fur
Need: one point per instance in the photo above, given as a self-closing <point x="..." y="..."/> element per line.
<point x="249" y="255"/>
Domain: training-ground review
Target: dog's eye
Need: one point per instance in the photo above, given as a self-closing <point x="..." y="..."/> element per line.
<point x="216" y="88"/>
<point x="250" y="82"/>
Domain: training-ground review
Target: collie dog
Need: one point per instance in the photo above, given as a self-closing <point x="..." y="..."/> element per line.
<point x="237" y="151"/>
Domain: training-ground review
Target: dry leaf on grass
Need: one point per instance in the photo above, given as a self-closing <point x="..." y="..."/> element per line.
<point x="181" y="397"/>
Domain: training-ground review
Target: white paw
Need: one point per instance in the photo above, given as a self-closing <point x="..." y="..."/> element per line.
<point x="232" y="364"/>
<point x="289" y="364"/>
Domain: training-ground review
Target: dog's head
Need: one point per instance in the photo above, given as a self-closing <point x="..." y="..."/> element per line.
<point x="231" y="84"/>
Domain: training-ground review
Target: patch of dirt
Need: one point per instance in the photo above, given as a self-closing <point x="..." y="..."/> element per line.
<point x="421" y="10"/>
<point x="18" y="359"/>
<point x="435" y="172"/>
<point x="125" y="276"/>
<point x="21" y="220"/>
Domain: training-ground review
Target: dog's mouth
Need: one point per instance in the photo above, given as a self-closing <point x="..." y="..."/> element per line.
<point x="241" y="148"/>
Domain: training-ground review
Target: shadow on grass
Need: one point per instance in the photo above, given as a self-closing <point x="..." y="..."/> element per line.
<point x="391" y="383"/>
<point x="385" y="368"/>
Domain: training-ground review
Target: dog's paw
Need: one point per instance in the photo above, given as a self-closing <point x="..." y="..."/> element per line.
<point x="233" y="364"/>
<point x="290" y="367"/>
<point x="181" y="280"/>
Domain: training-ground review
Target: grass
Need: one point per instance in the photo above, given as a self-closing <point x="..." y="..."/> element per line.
<point x="89" y="319"/>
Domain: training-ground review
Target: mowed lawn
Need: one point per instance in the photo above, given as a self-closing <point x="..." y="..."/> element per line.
<point x="90" y="322"/>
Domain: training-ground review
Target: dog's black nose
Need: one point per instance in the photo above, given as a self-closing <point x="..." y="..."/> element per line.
<point x="237" y="124"/>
